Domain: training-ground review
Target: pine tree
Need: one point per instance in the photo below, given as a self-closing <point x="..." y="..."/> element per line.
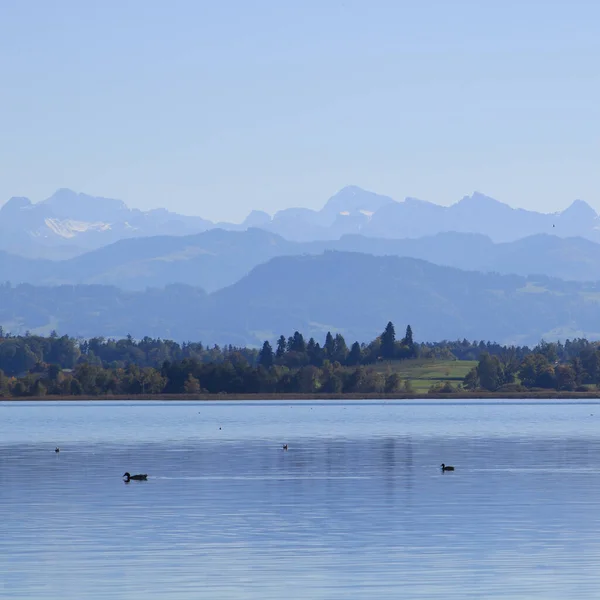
<point x="298" y="344"/>
<point x="408" y="338"/>
<point x="355" y="356"/>
<point x="341" y="349"/>
<point x="388" y="342"/>
<point x="315" y="353"/>
<point x="265" y="356"/>
<point x="408" y="350"/>
<point x="329" y="346"/>
<point x="281" y="347"/>
<point x="311" y="351"/>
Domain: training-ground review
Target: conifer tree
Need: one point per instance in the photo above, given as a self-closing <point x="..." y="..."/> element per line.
<point x="266" y="357"/>
<point x="388" y="342"/>
<point x="329" y="346"/>
<point x="281" y="347"/>
<point x="355" y="356"/>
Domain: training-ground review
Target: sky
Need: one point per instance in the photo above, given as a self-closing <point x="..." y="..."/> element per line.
<point x="217" y="108"/>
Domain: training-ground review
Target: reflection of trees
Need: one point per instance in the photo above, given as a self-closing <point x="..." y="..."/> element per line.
<point x="398" y="462"/>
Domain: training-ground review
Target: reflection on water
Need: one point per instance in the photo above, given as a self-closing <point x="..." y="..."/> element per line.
<point x="356" y="508"/>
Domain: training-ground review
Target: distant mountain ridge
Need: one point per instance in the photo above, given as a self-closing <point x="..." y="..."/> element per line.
<point x="354" y="294"/>
<point x="218" y="258"/>
<point x="68" y="223"/>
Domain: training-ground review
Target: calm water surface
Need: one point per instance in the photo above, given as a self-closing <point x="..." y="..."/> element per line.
<point x="357" y="508"/>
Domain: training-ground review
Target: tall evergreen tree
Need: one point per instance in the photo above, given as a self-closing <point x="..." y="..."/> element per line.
<point x="281" y="347"/>
<point x="298" y="344"/>
<point x="266" y="357"/>
<point x="329" y="346"/>
<point x="313" y="350"/>
<point x="388" y="342"/>
<point x="355" y="356"/>
<point x="408" y="338"/>
<point x="340" y="348"/>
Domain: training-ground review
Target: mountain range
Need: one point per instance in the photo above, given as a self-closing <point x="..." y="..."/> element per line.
<point x="479" y="269"/>
<point x="218" y="258"/>
<point x="70" y="223"/>
<point x="351" y="293"/>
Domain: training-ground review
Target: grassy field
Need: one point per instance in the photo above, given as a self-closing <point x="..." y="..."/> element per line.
<point x="423" y="373"/>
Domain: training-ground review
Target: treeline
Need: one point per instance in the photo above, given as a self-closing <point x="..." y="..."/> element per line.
<point x="233" y="376"/>
<point x="36" y="366"/>
<point x="65" y="366"/>
<point x="467" y="350"/>
<point x="296" y="352"/>
<point x="20" y="354"/>
<point x="573" y="366"/>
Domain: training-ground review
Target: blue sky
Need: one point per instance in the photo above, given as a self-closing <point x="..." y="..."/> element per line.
<point x="214" y="108"/>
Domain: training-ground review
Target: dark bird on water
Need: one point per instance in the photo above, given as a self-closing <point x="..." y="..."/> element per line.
<point x="446" y="468"/>
<point x="57" y="449"/>
<point x="129" y="477"/>
<point x="285" y="446"/>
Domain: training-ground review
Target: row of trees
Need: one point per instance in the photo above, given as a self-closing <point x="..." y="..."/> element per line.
<point x="232" y="376"/>
<point x="538" y="370"/>
<point x="20" y="354"/>
<point x="36" y="366"/>
<point x="296" y="352"/>
<point x="472" y="350"/>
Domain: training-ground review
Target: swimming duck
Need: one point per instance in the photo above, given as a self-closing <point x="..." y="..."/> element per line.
<point x="445" y="468"/>
<point x="285" y="446"/>
<point x="129" y="477"/>
<point x="57" y="449"/>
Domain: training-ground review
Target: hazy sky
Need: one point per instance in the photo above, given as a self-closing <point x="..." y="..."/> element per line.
<point x="214" y="108"/>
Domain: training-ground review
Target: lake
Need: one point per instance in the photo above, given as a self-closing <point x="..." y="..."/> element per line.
<point x="356" y="508"/>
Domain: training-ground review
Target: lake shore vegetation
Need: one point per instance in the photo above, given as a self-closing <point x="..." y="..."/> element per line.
<point x="390" y="366"/>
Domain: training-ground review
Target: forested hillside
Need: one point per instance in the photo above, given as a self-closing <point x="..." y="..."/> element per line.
<point x="342" y="292"/>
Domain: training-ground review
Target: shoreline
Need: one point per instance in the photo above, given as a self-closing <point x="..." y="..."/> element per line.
<point x="550" y="395"/>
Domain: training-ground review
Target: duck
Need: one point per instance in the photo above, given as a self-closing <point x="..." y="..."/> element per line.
<point x="57" y="449"/>
<point x="446" y="468"/>
<point x="129" y="477"/>
<point x="285" y="447"/>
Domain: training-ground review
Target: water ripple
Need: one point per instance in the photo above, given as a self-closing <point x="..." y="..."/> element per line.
<point x="357" y="508"/>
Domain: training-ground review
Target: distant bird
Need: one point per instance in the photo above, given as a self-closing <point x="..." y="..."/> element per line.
<point x="129" y="477"/>
<point x="57" y="449"/>
<point x="553" y="225"/>
<point x="285" y="446"/>
<point x="446" y="468"/>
